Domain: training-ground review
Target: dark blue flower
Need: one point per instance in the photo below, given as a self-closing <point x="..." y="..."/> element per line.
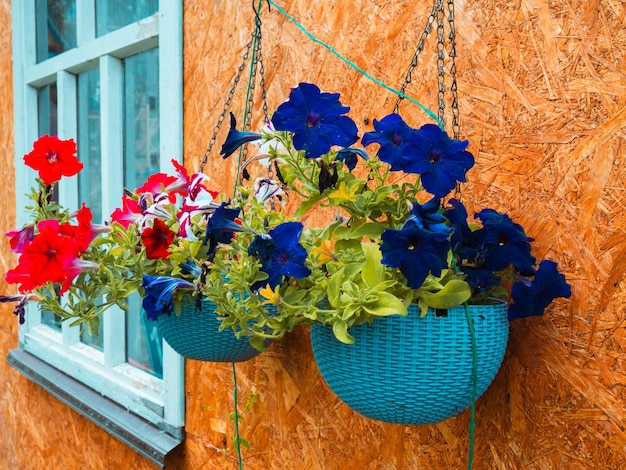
<point x="502" y="242"/>
<point x="397" y="141"/>
<point x="159" y="294"/>
<point x="316" y="120"/>
<point x="190" y="268"/>
<point x="428" y="217"/>
<point x="221" y="227"/>
<point x="262" y="247"/>
<point x="461" y="232"/>
<point x="349" y="156"/>
<point x="441" y="161"/>
<point x="236" y="139"/>
<point x="415" y="251"/>
<point x="280" y="254"/>
<point x="533" y="298"/>
<point x="22" y="300"/>
<point x="481" y="280"/>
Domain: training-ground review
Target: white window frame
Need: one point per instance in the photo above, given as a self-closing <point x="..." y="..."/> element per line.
<point x="159" y="401"/>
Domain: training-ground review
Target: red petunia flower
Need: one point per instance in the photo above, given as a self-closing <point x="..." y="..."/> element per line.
<point x="20" y="275"/>
<point x="50" y="254"/>
<point x="130" y="212"/>
<point x="45" y="259"/>
<point x="156" y="184"/>
<point x="181" y="184"/>
<point x="157" y="240"/>
<point x="53" y="158"/>
<point x="85" y="232"/>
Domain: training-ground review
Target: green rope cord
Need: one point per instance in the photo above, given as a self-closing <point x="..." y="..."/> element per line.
<point x="237" y="436"/>
<point x="251" y="76"/>
<point x="356" y="67"/>
<point x="472" y="423"/>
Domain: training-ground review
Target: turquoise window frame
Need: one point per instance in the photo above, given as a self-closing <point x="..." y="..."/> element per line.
<point x="159" y="402"/>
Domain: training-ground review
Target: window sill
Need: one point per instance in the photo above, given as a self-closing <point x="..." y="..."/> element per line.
<point x="140" y="435"/>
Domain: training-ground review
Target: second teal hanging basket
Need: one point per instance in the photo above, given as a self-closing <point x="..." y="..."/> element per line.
<point x="195" y="334"/>
<point x="412" y="370"/>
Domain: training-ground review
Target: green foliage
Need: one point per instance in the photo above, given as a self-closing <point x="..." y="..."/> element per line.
<point x="349" y="285"/>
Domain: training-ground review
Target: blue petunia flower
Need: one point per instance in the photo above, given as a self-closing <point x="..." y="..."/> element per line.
<point x="440" y="161"/>
<point x="160" y="293"/>
<point x="190" y="268"/>
<point x="397" y="141"/>
<point x="236" y="139"/>
<point x="461" y="232"/>
<point x="502" y="242"/>
<point x="316" y="120"/>
<point x="415" y="251"/>
<point x="532" y="299"/>
<point x="349" y="156"/>
<point x="481" y="280"/>
<point x="428" y="217"/>
<point x="280" y="254"/>
<point x="221" y="227"/>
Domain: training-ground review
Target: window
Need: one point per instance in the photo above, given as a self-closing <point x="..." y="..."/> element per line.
<point x="100" y="81"/>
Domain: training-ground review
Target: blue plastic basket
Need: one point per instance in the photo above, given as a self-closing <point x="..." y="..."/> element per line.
<point x="412" y="370"/>
<point x="195" y="334"/>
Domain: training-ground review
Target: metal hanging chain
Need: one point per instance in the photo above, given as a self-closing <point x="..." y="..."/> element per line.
<point x="441" y="71"/>
<point x="456" y="123"/>
<point x="438" y="13"/>
<point x="226" y="107"/>
<point x="259" y="61"/>
<point x="408" y="76"/>
<point x="257" y="64"/>
<point x="254" y="46"/>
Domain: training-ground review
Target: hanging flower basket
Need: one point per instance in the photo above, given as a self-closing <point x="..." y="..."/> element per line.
<point x="412" y="370"/>
<point x="195" y="334"/>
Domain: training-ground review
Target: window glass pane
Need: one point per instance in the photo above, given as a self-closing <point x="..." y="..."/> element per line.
<point x="47" y="106"/>
<point x="115" y="14"/>
<point x="89" y="180"/>
<point x="141" y="145"/>
<point x="141" y="117"/>
<point x="55" y="24"/>
<point x="88" y="142"/>
<point x="96" y="340"/>
<point x="143" y="342"/>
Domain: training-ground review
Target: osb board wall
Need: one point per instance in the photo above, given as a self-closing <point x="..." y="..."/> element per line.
<point x="542" y="88"/>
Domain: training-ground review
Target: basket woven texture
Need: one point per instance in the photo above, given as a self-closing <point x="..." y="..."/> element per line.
<point x="412" y="370"/>
<point x="195" y="334"/>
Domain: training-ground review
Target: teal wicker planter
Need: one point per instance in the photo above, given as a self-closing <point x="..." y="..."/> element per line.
<point x="195" y="334"/>
<point x="412" y="370"/>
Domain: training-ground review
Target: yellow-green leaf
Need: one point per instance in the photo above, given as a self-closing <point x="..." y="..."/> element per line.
<point x="340" y="330"/>
<point x="372" y="273"/>
<point x="453" y="293"/>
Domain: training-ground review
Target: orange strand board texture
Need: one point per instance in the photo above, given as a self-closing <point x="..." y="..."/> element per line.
<point x="542" y="94"/>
